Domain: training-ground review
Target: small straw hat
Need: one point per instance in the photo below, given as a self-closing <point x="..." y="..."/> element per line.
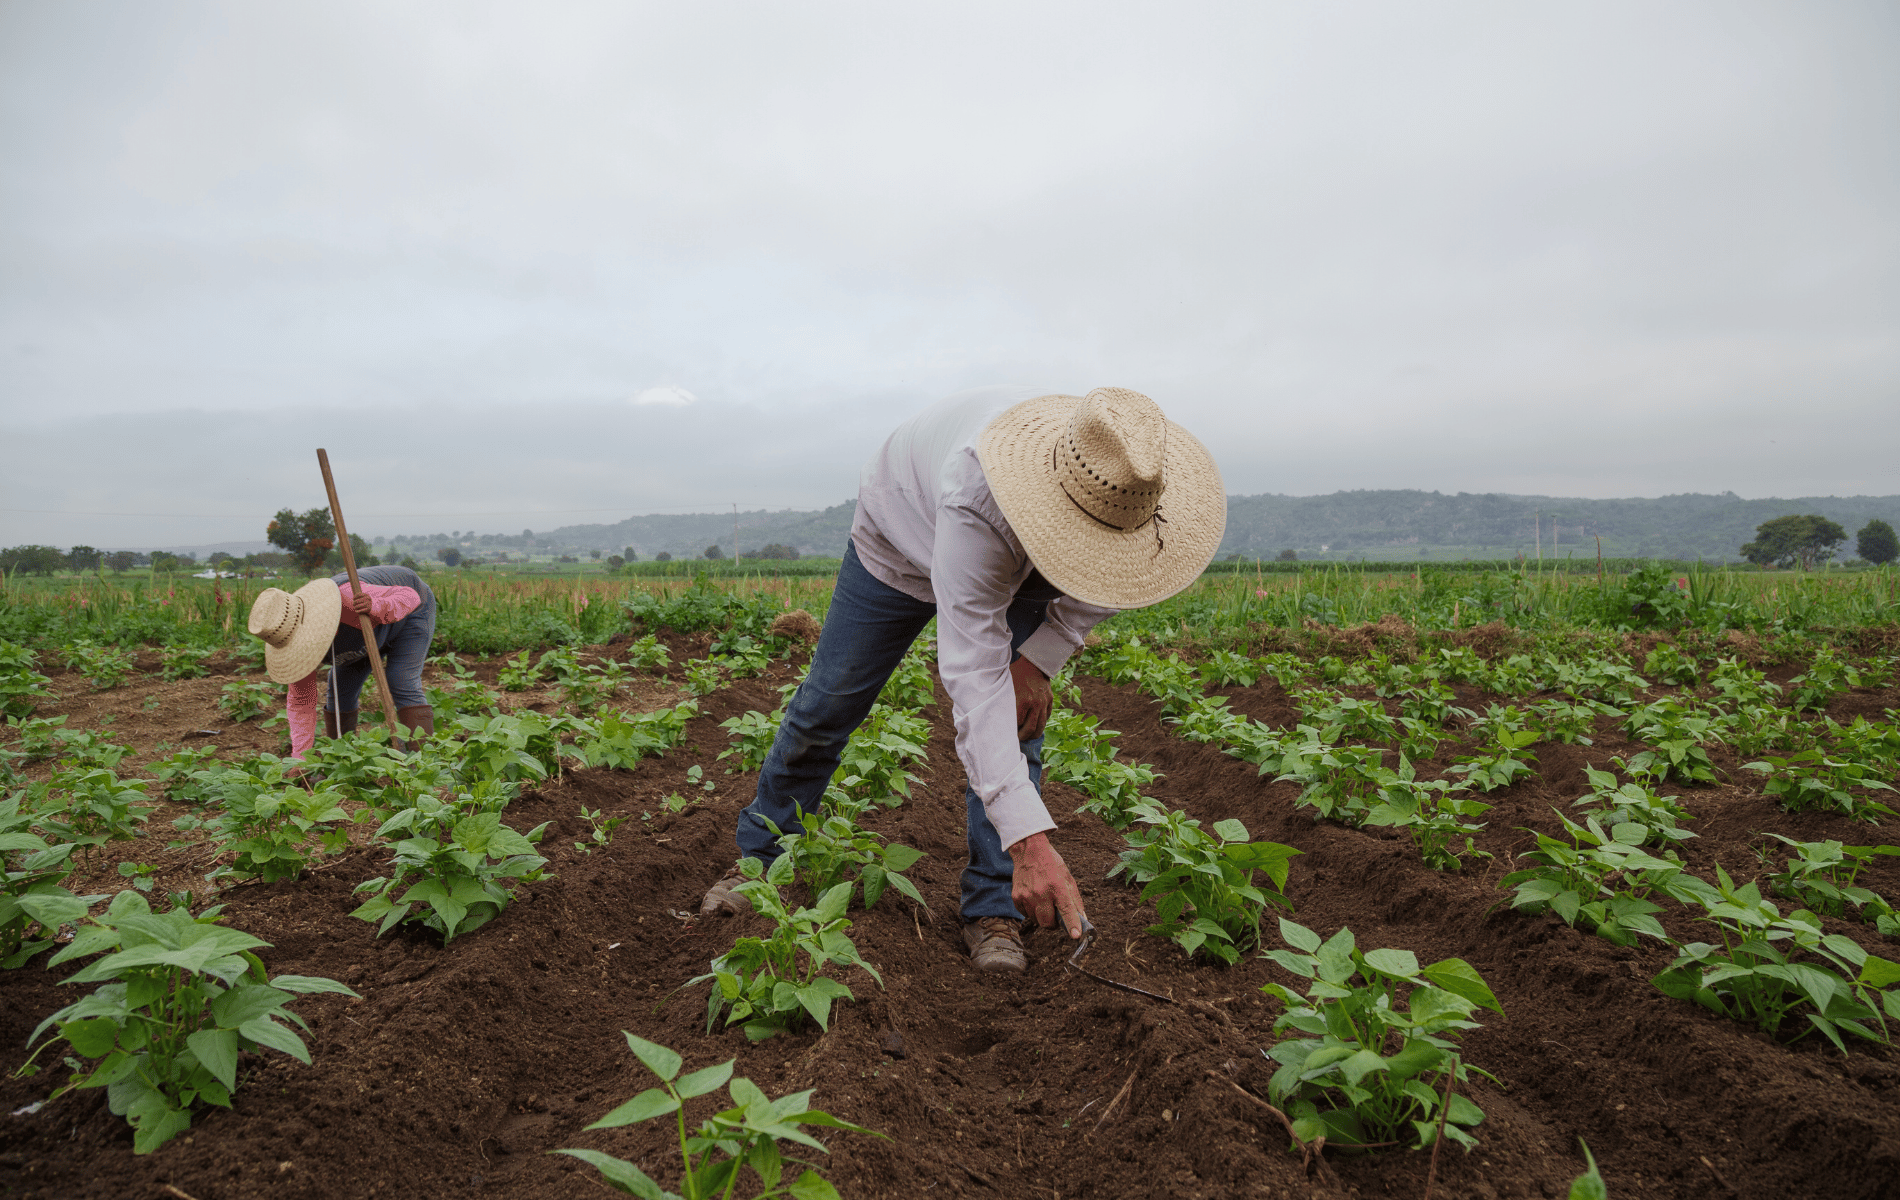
<point x="1115" y="504"/>
<point x="297" y="627"/>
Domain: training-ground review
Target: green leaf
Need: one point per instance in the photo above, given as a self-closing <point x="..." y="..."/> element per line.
<point x="1230" y="830"/>
<point x="832" y="904"/>
<point x="246" y="1002"/>
<point x="266" y="1032"/>
<point x="54" y="909"/>
<point x="1460" y="978"/>
<point x="817" y="1003"/>
<point x="654" y="1102"/>
<point x="155" y="1130"/>
<point x="810" y="1186"/>
<point x="1589" y="1185"/>
<point x="311" y="984"/>
<point x="1360" y="1064"/>
<point x="1400" y="963"/>
<point x="1418" y="1055"/>
<point x="658" y="1059"/>
<point x="900" y="857"/>
<point x="1878" y="973"/>
<point x="1299" y="937"/>
<point x="705" y="1080"/>
<point x="621" y="1175"/>
<point x="217" y="1051"/>
<point x="91" y="1038"/>
<point x="1335" y="957"/>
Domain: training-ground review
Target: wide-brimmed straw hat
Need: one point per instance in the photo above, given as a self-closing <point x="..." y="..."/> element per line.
<point x="1114" y="503"/>
<point x="297" y="627"/>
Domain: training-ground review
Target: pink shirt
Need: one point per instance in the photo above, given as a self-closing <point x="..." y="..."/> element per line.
<point x="387" y="605"/>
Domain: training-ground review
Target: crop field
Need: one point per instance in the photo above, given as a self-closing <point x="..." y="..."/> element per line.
<point x="1438" y="879"/>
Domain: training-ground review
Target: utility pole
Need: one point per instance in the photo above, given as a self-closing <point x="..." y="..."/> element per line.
<point x="735" y="532"/>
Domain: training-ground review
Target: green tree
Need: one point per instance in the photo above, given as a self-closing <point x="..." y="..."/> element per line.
<point x="308" y="539"/>
<point x="771" y="550"/>
<point x="32" y="560"/>
<point x="1785" y="541"/>
<point x="120" y="561"/>
<point x="450" y="555"/>
<point x="333" y="561"/>
<point x="713" y="551"/>
<point x="1876" y="542"/>
<point x="83" y="558"/>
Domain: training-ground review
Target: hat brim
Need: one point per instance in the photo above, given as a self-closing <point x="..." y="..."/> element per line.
<point x="310" y="640"/>
<point x="1094" y="563"/>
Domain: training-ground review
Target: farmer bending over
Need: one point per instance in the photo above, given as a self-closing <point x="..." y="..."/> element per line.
<point x="1019" y="520"/>
<point x="314" y="625"/>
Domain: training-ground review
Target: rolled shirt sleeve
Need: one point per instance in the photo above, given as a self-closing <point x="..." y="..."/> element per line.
<point x="975" y="569"/>
<point x="388" y="603"/>
<point x="1066" y="622"/>
<point x="300" y="709"/>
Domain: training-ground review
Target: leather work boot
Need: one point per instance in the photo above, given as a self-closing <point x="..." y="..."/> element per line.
<point x="722" y="901"/>
<point x="996" y="944"/>
<point x="336" y="724"/>
<point x="418" y="719"/>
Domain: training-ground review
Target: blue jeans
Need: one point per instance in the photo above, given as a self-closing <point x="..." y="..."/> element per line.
<point x="866" y="632"/>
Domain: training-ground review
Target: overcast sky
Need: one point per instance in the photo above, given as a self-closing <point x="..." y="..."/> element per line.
<point x="524" y="265"/>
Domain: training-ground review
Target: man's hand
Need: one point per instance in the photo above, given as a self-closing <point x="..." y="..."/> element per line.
<point x="359" y="603"/>
<point x="1034" y="699"/>
<point x="1043" y="887"/>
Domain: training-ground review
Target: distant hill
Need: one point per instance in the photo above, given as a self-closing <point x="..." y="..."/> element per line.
<point x="1379" y="525"/>
<point x="1406" y="524"/>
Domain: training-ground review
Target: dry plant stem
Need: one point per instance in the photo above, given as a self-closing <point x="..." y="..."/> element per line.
<point x="1444" y="1110"/>
<point x="364" y="621"/>
<point x="1309" y="1154"/>
<point x="179" y="1192"/>
<point x="1112" y="1104"/>
<point x="1726" y="1185"/>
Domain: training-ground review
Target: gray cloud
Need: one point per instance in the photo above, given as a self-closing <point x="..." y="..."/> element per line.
<point x="1622" y="249"/>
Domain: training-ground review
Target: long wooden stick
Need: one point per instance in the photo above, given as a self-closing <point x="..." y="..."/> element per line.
<point x="364" y="621"/>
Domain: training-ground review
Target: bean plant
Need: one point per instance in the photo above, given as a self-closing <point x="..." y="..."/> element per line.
<point x="830" y="848"/>
<point x="31" y="898"/>
<point x="761" y="983"/>
<point x="1612" y="804"/>
<point x="1811" y="780"/>
<point x="1822" y="876"/>
<point x="1202" y="886"/>
<point x="1784" y="975"/>
<point x="746" y="1136"/>
<point x="272" y="825"/>
<point x="1578" y="880"/>
<point x="875" y="764"/>
<point x="454" y="872"/>
<point x="1382" y="1027"/>
<point x="180" y="998"/>
<point x="21" y="687"/>
<point x="1500" y="765"/>
<point x="104" y="667"/>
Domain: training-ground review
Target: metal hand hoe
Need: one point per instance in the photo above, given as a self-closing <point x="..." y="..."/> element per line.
<point x="364" y="621"/>
<point x="1075" y="964"/>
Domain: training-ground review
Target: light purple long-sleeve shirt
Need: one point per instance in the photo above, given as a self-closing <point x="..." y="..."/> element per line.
<point x="927" y="525"/>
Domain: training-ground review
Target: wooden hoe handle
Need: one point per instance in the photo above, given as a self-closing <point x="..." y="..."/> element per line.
<point x="364" y="620"/>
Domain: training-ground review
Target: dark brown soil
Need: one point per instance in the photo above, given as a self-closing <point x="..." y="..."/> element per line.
<point x="461" y="1067"/>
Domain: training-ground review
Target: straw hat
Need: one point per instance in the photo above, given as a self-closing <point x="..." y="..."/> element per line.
<point x="1115" y="504"/>
<point x="297" y="627"/>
